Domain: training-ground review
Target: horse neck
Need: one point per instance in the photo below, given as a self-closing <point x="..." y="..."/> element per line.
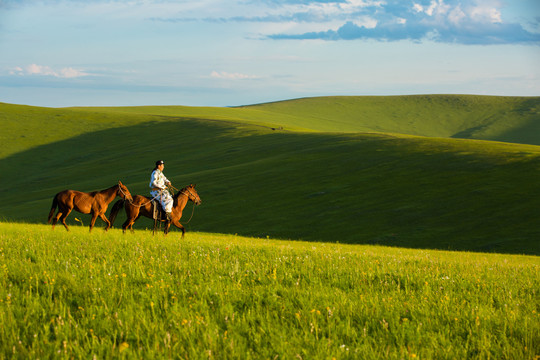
<point x="110" y="193"/>
<point x="181" y="200"/>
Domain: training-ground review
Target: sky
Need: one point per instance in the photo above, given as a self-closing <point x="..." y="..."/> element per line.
<point x="59" y="53"/>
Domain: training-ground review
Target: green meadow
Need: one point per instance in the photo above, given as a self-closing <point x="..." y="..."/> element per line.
<point x="360" y="170"/>
<point x="336" y="227"/>
<point x="111" y="295"/>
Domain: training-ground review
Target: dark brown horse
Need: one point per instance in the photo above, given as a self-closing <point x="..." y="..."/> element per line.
<point x="142" y="205"/>
<point x="95" y="203"/>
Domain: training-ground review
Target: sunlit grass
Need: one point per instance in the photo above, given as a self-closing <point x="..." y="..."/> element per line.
<point x="104" y="295"/>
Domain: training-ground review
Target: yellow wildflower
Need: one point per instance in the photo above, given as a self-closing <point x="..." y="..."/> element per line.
<point x="123" y="346"/>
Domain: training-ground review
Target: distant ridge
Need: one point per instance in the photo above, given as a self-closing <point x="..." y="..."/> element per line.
<point x="495" y="118"/>
<point x="508" y="119"/>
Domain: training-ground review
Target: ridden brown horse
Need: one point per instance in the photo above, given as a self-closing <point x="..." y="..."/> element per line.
<point x="142" y="205"/>
<point x="95" y="203"/>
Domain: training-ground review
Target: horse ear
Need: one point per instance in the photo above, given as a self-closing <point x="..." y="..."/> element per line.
<point x="193" y="185"/>
<point x="119" y="182"/>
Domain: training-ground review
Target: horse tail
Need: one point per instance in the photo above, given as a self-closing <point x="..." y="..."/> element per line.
<point x="53" y="208"/>
<point x="115" y="209"/>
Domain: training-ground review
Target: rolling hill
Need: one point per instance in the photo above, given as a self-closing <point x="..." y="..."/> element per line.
<point x="411" y="171"/>
<point x="509" y="119"/>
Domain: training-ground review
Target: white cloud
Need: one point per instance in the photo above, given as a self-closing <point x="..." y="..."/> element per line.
<point x="456" y="15"/>
<point x="231" y="76"/>
<point x="435" y="7"/>
<point x="35" y="69"/>
<point x="71" y="73"/>
<point x="42" y="70"/>
<point x="482" y="12"/>
<point x="401" y="21"/>
<point x="418" y="8"/>
<point x="486" y="13"/>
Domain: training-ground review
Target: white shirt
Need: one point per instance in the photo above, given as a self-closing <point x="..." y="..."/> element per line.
<point x="158" y="180"/>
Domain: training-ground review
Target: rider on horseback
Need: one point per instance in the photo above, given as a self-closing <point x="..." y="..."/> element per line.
<point x="158" y="184"/>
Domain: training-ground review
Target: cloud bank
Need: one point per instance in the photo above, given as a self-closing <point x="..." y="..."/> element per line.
<point x="479" y="22"/>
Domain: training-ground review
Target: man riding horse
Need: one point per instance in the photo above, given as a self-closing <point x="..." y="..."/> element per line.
<point x="158" y="186"/>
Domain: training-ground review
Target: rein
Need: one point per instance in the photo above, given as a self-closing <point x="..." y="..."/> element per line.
<point x="146" y="203"/>
<point x="193" y="208"/>
<point x="131" y="201"/>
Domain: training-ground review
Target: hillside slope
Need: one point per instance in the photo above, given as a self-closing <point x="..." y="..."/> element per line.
<point x="509" y="119"/>
<point x="344" y="187"/>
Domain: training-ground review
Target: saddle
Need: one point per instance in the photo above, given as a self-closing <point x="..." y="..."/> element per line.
<point x="158" y="212"/>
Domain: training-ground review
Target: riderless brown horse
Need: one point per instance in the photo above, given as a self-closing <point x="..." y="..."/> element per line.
<point x="95" y="203"/>
<point x="142" y="205"/>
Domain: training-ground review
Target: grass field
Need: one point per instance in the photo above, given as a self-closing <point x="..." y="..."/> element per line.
<point x="509" y="119"/>
<point x="365" y="188"/>
<point x="323" y="231"/>
<point x="109" y="295"/>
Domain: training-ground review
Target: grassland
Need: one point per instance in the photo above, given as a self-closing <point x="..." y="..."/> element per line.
<point x="359" y="180"/>
<point x="353" y="187"/>
<point x="508" y="119"/>
<point x="108" y="295"/>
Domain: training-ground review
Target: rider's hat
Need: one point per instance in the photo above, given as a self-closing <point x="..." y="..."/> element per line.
<point x="159" y="162"/>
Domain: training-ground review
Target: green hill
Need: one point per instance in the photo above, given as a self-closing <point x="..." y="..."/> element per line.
<point x="509" y="119"/>
<point x="320" y="178"/>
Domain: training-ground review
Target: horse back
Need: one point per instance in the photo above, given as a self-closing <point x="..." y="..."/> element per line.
<point x="144" y="202"/>
<point x="73" y="199"/>
<point x="140" y="205"/>
<point x="67" y="196"/>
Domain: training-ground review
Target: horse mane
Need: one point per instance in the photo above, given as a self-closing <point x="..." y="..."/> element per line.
<point x="175" y="197"/>
<point x="93" y="193"/>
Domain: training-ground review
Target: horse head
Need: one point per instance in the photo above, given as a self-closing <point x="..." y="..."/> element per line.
<point x="192" y="194"/>
<point x="125" y="194"/>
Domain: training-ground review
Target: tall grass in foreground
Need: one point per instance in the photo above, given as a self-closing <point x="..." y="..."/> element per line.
<point x="109" y="295"/>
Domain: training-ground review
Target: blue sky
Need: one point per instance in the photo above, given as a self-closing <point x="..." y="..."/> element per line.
<point x="235" y="52"/>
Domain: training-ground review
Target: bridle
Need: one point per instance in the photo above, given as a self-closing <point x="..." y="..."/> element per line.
<point x="183" y="192"/>
<point x="123" y="193"/>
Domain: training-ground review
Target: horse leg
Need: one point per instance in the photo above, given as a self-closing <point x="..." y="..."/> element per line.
<point x="180" y="226"/>
<point x="63" y="217"/>
<point x="132" y="214"/>
<point x="167" y="226"/>
<point x="128" y="224"/>
<point x="55" y="219"/>
<point x="125" y="226"/>
<point x="104" y="218"/>
<point x="133" y="222"/>
<point x="93" y="220"/>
